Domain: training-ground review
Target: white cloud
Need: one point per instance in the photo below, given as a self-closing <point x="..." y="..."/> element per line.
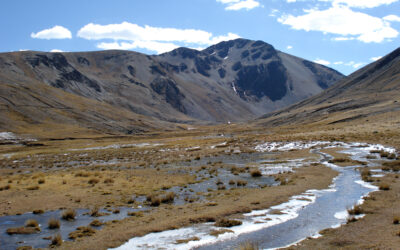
<point x="131" y="36"/>
<point x="392" y="18"/>
<point x="357" y="65"/>
<point x="289" y="47"/>
<point x="57" y="32"/>
<point x="341" y="20"/>
<point x="273" y="12"/>
<point x="56" y="50"/>
<point x="362" y="3"/>
<point x="321" y="61"/>
<point x="338" y="63"/>
<point x="149" y="45"/>
<point x="291" y="1"/>
<point x="375" y="58"/>
<point x="343" y="38"/>
<point x="240" y="4"/>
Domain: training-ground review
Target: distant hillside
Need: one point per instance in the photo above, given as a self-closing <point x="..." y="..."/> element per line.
<point x="236" y="80"/>
<point x="370" y="91"/>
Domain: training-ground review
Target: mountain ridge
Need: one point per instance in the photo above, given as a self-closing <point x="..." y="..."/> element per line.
<point x="237" y="80"/>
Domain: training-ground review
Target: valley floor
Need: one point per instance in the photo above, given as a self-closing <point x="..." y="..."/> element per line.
<point x="141" y="172"/>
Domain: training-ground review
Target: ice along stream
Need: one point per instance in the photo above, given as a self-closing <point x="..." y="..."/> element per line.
<point x="302" y="216"/>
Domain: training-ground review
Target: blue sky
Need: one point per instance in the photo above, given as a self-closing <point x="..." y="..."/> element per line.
<point x="342" y="34"/>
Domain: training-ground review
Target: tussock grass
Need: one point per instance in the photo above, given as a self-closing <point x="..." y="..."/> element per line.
<point x="216" y="233"/>
<point x="255" y="173"/>
<point x="93" y="181"/>
<point x="96" y="223"/>
<point x="38" y="211"/>
<point x="227" y="223"/>
<point x="80" y="232"/>
<point x="168" y="198"/>
<point x="248" y="246"/>
<point x="69" y="214"/>
<point x="384" y="186"/>
<point x="31" y="223"/>
<point x="356" y="210"/>
<point x="6" y="187"/>
<point x="136" y="214"/>
<point x="187" y="240"/>
<point x="31" y="188"/>
<point x="22" y="230"/>
<point x="53" y="223"/>
<point x="56" y="240"/>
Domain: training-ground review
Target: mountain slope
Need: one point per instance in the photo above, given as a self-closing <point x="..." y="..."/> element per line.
<point x="371" y="91"/>
<point x="230" y="81"/>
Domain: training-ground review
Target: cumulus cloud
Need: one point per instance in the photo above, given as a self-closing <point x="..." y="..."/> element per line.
<point x="362" y="3"/>
<point x="57" y="32"/>
<point x="338" y="63"/>
<point x="56" y="50"/>
<point x="343" y="21"/>
<point x="322" y="61"/>
<point x="240" y="4"/>
<point x="358" y="65"/>
<point x="130" y="36"/>
<point x="392" y="18"/>
<point x="375" y="58"/>
<point x="158" y="47"/>
<point x="289" y="47"/>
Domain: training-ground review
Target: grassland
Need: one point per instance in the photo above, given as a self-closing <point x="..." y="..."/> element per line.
<point x="107" y="171"/>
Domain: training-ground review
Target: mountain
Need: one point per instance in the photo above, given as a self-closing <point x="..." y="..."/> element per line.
<point x="369" y="92"/>
<point x="118" y="90"/>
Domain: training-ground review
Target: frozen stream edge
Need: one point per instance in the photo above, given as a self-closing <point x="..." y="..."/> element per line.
<point x="251" y="221"/>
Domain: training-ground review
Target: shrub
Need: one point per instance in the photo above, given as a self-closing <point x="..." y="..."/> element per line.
<point x="227" y="223"/>
<point x="396" y="220"/>
<point x="56" y="240"/>
<point x="69" y="214"/>
<point x="53" y="223"/>
<point x="231" y="182"/>
<point x="41" y="181"/>
<point x="256" y="173"/>
<point x="116" y="211"/>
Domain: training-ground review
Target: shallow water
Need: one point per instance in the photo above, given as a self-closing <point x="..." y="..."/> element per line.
<point x="301" y="217"/>
<point x="36" y="240"/>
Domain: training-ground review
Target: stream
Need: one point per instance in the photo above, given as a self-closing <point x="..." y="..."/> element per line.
<point x="302" y="216"/>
